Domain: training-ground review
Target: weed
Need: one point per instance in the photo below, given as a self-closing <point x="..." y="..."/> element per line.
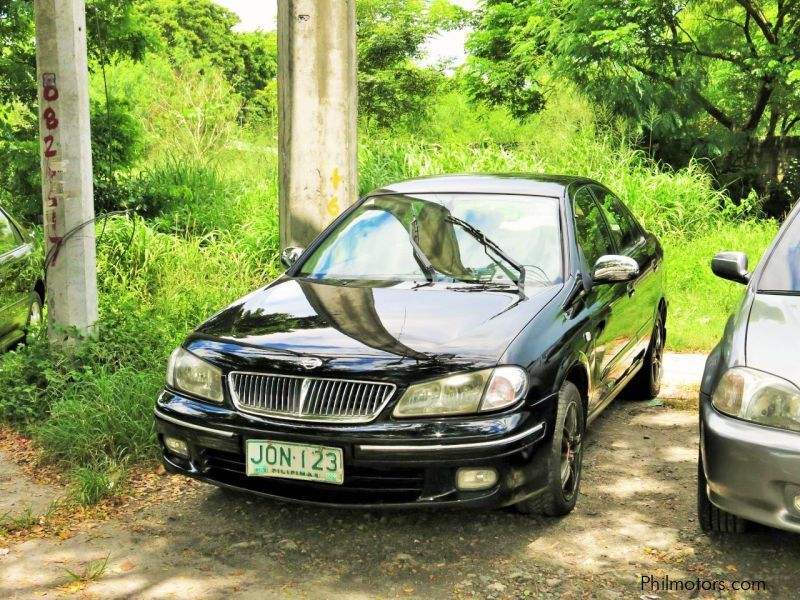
<point x="26" y="519"/>
<point x="93" y="571"/>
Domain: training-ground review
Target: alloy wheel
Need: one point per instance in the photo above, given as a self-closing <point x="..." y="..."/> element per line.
<point x="570" y="452"/>
<point x="657" y="362"/>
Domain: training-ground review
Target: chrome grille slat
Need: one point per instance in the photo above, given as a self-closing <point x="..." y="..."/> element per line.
<point x="325" y="399"/>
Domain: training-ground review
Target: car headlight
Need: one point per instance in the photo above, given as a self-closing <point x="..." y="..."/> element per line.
<point x="464" y="393"/>
<point x="190" y="374"/>
<point x="758" y="397"/>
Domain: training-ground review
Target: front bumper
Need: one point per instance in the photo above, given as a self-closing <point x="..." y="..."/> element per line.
<point x="396" y="464"/>
<point x="753" y="471"/>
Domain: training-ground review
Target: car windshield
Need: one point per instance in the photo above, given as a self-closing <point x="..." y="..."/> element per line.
<point x="376" y="242"/>
<point x="782" y="272"/>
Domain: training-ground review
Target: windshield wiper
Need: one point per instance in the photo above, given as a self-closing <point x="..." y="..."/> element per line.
<point x="424" y="261"/>
<point x="490" y="245"/>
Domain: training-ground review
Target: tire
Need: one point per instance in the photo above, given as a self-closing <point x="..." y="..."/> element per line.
<point x="565" y="459"/>
<point x="711" y="518"/>
<point x="646" y="385"/>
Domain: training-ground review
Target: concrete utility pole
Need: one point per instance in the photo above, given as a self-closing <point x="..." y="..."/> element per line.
<point x="317" y="100"/>
<point x="68" y="195"/>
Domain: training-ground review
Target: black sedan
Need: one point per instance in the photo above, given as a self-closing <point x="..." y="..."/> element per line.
<point x="21" y="287"/>
<point x="443" y="343"/>
<point x="749" y="466"/>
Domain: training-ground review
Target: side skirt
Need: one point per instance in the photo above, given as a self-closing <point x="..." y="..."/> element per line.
<point x="616" y="391"/>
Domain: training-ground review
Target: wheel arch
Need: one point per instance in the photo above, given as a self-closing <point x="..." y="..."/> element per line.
<point x="39" y="289"/>
<point x="578" y="375"/>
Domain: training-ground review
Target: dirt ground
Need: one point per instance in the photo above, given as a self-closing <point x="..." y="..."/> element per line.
<point x="635" y="518"/>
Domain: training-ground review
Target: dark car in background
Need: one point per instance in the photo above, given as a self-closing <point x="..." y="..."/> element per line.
<point x="749" y="467"/>
<point x="444" y="342"/>
<point x="21" y="287"/>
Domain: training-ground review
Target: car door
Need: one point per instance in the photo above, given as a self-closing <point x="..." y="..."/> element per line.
<point x="14" y="266"/>
<point x="643" y="292"/>
<point x="607" y="305"/>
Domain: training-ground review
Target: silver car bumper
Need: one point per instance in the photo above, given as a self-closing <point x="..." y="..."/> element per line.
<point x="752" y="471"/>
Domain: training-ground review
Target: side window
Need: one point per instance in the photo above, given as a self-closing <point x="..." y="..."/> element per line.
<point x="8" y="235"/>
<point x="625" y="231"/>
<point x="590" y="227"/>
<point x="782" y="272"/>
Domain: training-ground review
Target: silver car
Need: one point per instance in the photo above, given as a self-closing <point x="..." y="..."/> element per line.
<point x="749" y="468"/>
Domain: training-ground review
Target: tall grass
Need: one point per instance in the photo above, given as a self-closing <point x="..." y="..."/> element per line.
<point x="567" y="138"/>
<point x="93" y="412"/>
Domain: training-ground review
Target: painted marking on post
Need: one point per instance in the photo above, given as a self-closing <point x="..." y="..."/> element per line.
<point x="337" y="179"/>
<point x="333" y="204"/>
<point x="53" y="168"/>
<point x="333" y="207"/>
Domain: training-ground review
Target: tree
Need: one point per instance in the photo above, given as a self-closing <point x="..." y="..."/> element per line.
<point x="735" y="62"/>
<point x="719" y="78"/>
<point x="114" y="31"/>
<point x="505" y="58"/>
<point x="392" y="87"/>
<point x="202" y="29"/>
<point x="17" y="52"/>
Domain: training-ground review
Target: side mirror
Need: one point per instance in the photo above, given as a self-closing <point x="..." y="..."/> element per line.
<point x="731" y="266"/>
<point x="614" y="268"/>
<point x="290" y="255"/>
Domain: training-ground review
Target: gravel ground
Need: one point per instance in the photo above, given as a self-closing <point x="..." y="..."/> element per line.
<point x="635" y="518"/>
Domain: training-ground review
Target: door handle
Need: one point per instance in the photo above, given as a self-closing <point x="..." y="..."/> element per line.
<point x="631" y="290"/>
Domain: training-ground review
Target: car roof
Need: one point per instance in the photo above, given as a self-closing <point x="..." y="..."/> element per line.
<point x="526" y="184"/>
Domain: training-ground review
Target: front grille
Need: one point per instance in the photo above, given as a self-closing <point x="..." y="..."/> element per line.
<point x="309" y="398"/>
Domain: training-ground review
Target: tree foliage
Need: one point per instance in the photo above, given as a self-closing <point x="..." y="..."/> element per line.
<point x="202" y="29"/>
<point x="115" y="31"/>
<point x="392" y="87"/>
<point x="732" y="63"/>
<point x="505" y="57"/>
<point x="725" y="64"/>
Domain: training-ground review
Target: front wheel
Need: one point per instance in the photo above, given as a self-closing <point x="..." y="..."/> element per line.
<point x="565" y="459"/>
<point x="647" y="382"/>
<point x="713" y="519"/>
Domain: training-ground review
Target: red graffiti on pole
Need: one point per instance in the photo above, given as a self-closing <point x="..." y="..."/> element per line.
<point x="50" y="151"/>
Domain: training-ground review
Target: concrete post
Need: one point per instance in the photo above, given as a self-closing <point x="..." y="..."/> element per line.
<point x="317" y="101"/>
<point x="68" y="195"/>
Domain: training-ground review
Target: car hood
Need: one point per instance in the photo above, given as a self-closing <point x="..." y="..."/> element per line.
<point x="773" y="335"/>
<point x="404" y="322"/>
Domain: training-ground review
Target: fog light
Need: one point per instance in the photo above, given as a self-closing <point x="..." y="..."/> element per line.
<point x="475" y="479"/>
<point x="177" y="446"/>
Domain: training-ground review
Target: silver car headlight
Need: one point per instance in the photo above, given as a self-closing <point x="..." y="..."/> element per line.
<point x="464" y="393"/>
<point x="758" y="397"/>
<point x="188" y="373"/>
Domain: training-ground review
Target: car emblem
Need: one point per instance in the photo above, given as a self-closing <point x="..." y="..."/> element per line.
<point x="310" y="363"/>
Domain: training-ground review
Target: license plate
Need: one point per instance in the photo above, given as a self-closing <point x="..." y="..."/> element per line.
<point x="295" y="461"/>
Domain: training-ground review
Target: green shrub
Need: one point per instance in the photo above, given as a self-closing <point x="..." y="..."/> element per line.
<point x="102" y="415"/>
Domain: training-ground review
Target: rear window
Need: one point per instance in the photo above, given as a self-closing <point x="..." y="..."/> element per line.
<point x="782" y="272"/>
